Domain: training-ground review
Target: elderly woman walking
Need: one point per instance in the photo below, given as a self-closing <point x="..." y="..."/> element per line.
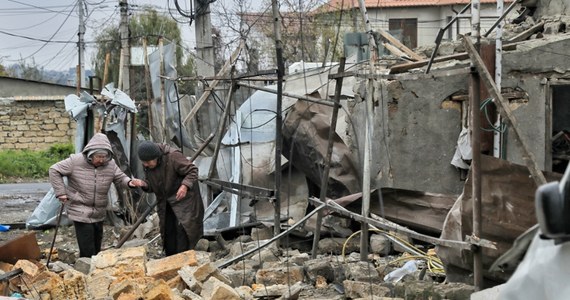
<point x="89" y="178"/>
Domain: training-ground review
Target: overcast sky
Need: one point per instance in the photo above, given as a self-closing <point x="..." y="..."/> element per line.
<point x="46" y="31"/>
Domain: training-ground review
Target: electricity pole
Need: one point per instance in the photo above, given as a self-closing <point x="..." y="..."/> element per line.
<point x="81" y="46"/>
<point x="125" y="45"/>
<point x="205" y="62"/>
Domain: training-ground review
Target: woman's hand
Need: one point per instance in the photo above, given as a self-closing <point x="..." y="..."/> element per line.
<point x="62" y="198"/>
<point x="137" y="183"/>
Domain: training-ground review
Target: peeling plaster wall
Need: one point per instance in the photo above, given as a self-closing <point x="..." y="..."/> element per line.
<point x="415" y="132"/>
<point x="528" y="69"/>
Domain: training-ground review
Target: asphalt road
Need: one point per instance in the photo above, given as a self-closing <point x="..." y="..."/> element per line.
<point x="18" y="200"/>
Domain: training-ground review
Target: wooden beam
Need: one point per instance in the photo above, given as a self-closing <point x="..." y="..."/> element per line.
<point x="527" y="33"/>
<point x="394" y="41"/>
<point x="207" y="92"/>
<point x="505" y="111"/>
<point x="394" y="50"/>
<point x="459" y="56"/>
<point x="408" y="66"/>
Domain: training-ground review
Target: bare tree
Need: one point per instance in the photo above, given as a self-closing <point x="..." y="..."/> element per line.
<point x="307" y="27"/>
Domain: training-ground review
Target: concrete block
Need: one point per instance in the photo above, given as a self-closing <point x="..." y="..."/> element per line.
<point x="188" y="294"/>
<point x="297" y="260"/>
<point x="98" y="284"/>
<point x="454" y="290"/>
<point x="74" y="284"/>
<point x="202" y="245"/>
<point x="121" y="262"/>
<point x="293" y="292"/>
<point x="362" y="271"/>
<point x="361" y="289"/>
<point x="187" y="275"/>
<point x="83" y="265"/>
<point x="245" y="292"/>
<point x="59" y="266"/>
<point x="331" y="271"/>
<point x="335" y="246"/>
<point x="125" y="289"/>
<point x="279" y="275"/>
<point x="45" y="283"/>
<point x="203" y="272"/>
<point x="263" y="233"/>
<point x="167" y="268"/>
<point x="176" y="283"/>
<point x="240" y="277"/>
<point x="68" y="256"/>
<point x="158" y="290"/>
<point x="380" y="244"/>
<point x="214" y="289"/>
<point x="270" y="291"/>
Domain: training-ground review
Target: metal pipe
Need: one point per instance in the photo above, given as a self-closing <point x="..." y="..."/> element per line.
<point x="302" y="221"/>
<point x="440" y="36"/>
<point x="502" y="16"/>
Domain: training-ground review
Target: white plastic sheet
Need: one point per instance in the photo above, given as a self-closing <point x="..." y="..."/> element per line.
<point x="543" y="273"/>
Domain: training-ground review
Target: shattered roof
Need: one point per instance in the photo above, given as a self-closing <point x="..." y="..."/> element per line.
<point x="404" y="3"/>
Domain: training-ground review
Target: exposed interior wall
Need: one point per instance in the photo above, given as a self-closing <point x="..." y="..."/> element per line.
<point x="415" y="132"/>
<point x="528" y="69"/>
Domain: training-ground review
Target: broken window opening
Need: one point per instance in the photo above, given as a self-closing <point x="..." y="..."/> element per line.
<point x="560" y="132"/>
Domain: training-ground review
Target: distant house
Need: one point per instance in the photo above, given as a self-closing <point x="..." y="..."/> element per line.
<point x="310" y="34"/>
<point x="417" y="22"/>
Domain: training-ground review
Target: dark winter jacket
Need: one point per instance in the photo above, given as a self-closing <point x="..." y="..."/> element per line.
<point x="87" y="186"/>
<point x="174" y="169"/>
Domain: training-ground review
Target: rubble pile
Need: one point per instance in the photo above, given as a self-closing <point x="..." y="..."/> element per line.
<point x="268" y="273"/>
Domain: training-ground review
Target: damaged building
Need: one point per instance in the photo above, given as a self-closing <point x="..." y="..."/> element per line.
<point x="407" y="125"/>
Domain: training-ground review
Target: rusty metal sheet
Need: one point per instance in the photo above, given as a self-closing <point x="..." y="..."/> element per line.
<point x="507" y="197"/>
<point x="22" y="247"/>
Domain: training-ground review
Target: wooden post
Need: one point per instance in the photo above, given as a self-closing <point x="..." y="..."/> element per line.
<point x="148" y="88"/>
<point x="506" y="113"/>
<point x="325" y="176"/>
<point x="162" y="95"/>
<point x="475" y="128"/>
<point x="106" y="70"/>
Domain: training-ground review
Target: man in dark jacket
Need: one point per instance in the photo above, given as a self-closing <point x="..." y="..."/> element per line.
<point x="174" y="180"/>
<point x="89" y="177"/>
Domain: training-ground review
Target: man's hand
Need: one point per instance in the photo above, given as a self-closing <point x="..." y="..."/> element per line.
<point x="181" y="193"/>
<point x="62" y="198"/>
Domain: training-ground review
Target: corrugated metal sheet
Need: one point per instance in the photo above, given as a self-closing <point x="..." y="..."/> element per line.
<point x="402" y="3"/>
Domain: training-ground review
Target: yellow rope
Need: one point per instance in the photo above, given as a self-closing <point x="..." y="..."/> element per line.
<point x="430" y="259"/>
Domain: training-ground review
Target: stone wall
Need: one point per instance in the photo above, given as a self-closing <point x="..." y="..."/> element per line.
<point x="34" y="123"/>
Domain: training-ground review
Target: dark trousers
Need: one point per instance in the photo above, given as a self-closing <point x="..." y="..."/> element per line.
<point x="89" y="237"/>
<point x="175" y="239"/>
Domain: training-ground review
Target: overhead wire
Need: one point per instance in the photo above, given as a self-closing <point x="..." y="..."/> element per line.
<point x="52" y="36"/>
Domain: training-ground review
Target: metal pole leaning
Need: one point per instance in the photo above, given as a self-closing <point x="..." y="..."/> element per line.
<point x="55" y="233"/>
